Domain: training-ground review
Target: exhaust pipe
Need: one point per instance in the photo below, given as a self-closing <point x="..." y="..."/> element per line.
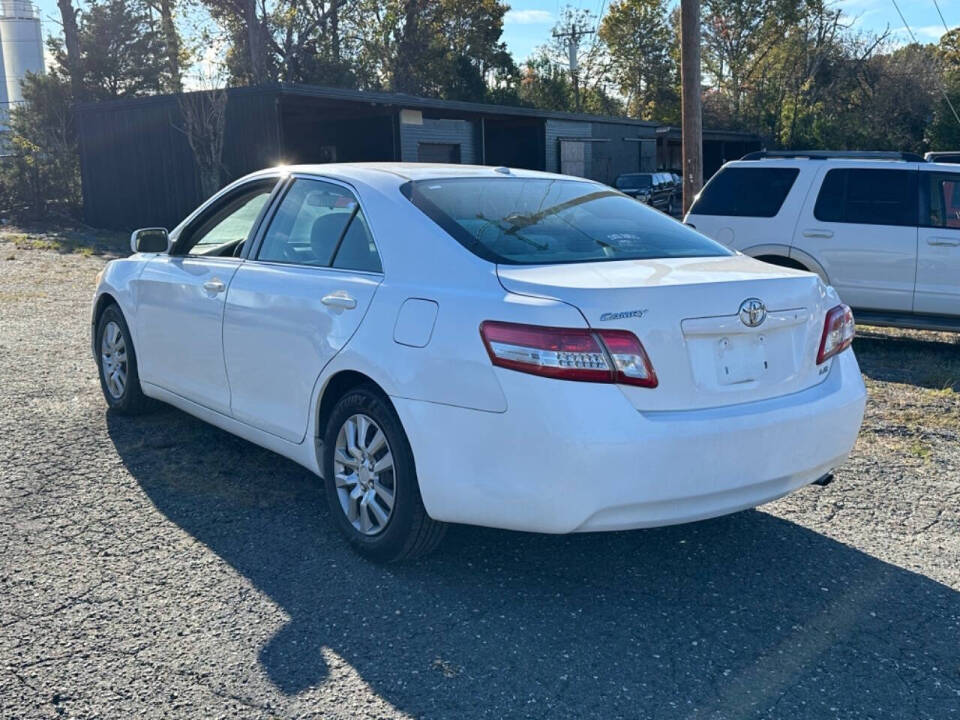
<point x="825" y="480"/>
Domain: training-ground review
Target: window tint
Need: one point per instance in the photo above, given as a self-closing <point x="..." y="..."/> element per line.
<point x="309" y="224"/>
<point x="941" y="200"/>
<point x="746" y="192"/>
<point x="229" y="223"/>
<point x="529" y="221"/>
<point x="357" y="250"/>
<point x="868" y="197"/>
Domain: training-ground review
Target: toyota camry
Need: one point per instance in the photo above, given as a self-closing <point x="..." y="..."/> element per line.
<point x="452" y="344"/>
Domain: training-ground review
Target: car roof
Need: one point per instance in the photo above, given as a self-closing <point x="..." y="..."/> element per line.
<point x="398" y="173"/>
<point x="860" y="163"/>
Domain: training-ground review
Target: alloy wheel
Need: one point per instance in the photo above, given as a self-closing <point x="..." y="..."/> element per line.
<point x="113" y="359"/>
<point x="364" y="474"/>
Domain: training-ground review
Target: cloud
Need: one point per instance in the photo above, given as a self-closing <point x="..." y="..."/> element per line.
<point x="527" y="17"/>
<point x="929" y="33"/>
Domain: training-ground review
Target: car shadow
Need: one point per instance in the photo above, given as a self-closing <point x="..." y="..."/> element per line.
<point x="921" y="361"/>
<point x="747" y="615"/>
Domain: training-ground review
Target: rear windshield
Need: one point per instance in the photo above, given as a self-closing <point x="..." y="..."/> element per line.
<point x="633" y="182"/>
<point x="533" y="221"/>
<point x="745" y="192"/>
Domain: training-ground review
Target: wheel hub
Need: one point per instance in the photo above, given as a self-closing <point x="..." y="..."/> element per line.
<point x="364" y="474"/>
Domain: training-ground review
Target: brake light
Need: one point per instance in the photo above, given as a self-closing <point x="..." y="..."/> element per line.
<point x="604" y="356"/>
<point x="838" y="331"/>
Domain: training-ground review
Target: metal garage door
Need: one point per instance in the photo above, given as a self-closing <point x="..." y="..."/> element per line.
<point x="438" y="152"/>
<point x="573" y="158"/>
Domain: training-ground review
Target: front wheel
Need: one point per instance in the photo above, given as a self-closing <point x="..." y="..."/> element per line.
<point x="117" y="363"/>
<point x="371" y="482"/>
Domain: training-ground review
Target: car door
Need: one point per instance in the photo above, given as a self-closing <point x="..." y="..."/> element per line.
<point x="296" y="302"/>
<point x="862" y="228"/>
<point x="938" y="244"/>
<point x="180" y="298"/>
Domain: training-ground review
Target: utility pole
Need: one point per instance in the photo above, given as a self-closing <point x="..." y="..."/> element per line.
<point x="692" y="120"/>
<point x="572" y="41"/>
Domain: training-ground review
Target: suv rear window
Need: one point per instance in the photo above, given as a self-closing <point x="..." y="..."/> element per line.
<point x="746" y="192"/>
<point x="534" y="221"/>
<point x="868" y="197"/>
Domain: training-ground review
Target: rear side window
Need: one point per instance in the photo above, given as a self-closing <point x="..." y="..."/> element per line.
<point x="746" y="192"/>
<point x="940" y="206"/>
<point x="868" y="197"/>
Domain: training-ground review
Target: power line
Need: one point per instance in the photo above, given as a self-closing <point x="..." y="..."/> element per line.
<point x="937" y="6"/>
<point x="913" y="37"/>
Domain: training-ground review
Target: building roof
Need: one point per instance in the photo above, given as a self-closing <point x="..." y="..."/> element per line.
<point x="388" y="99"/>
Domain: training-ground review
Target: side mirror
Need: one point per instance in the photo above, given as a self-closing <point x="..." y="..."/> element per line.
<point x="150" y="240"/>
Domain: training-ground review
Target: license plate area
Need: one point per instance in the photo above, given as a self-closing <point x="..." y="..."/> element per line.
<point x="741" y="358"/>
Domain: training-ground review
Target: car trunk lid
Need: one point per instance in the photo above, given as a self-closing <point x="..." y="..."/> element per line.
<point x="686" y="312"/>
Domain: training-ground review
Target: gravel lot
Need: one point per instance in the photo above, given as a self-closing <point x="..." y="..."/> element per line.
<point x="156" y="567"/>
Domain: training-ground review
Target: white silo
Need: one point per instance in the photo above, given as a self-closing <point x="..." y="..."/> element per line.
<point x="21" y="49"/>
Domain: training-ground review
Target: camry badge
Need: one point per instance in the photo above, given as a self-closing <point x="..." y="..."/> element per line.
<point x="623" y="315"/>
<point x="752" y="312"/>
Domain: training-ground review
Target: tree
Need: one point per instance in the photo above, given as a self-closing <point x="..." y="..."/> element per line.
<point x="204" y="123"/>
<point x="172" y="46"/>
<point x="121" y="55"/>
<point x="41" y="172"/>
<point x="943" y="132"/>
<point x="642" y="46"/>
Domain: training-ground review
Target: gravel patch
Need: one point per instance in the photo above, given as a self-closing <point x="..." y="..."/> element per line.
<point x="156" y="567"/>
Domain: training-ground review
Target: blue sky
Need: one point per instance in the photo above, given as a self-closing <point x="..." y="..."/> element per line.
<point x="528" y="23"/>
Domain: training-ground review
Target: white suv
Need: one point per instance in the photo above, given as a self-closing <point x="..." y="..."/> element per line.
<point x="882" y="228"/>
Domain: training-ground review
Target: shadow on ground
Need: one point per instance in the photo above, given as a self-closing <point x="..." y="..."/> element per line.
<point x="745" y="616"/>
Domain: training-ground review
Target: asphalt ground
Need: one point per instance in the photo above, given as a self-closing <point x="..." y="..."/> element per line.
<point x="155" y="567"/>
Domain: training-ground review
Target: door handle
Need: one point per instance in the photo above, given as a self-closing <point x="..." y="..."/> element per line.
<point x="943" y="242"/>
<point x="339" y="300"/>
<point x="818" y="233"/>
<point x="214" y="286"/>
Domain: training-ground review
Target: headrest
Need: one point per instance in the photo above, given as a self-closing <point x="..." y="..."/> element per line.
<point x="325" y="233"/>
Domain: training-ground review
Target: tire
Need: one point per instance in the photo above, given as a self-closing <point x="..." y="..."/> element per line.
<point x="119" y="378"/>
<point x="379" y="512"/>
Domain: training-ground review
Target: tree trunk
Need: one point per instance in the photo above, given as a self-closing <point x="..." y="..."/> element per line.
<point x="171" y="44"/>
<point x="335" y="30"/>
<point x="403" y="75"/>
<point x="71" y="37"/>
<point x="258" y="60"/>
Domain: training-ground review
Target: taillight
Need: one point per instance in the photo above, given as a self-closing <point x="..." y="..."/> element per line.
<point x="838" y="331"/>
<point x="606" y="356"/>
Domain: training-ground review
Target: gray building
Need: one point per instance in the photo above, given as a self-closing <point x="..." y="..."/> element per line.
<point x="138" y="169"/>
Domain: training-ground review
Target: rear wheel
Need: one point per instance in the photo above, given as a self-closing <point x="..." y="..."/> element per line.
<point x="371" y="482"/>
<point x="117" y="362"/>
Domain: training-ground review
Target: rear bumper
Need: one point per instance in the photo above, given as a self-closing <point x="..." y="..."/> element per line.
<point x="576" y="457"/>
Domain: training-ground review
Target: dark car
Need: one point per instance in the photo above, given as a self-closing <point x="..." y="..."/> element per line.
<point x="655" y="189"/>
<point x="943" y="156"/>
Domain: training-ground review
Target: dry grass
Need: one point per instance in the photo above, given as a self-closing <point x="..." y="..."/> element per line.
<point x="64" y="241"/>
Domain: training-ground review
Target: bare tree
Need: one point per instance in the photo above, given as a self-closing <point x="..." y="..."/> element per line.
<point x="204" y="121"/>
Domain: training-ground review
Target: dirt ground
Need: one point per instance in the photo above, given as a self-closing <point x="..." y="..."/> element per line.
<point x="155" y="567"/>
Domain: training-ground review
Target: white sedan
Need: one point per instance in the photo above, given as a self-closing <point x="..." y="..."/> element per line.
<point x="487" y="346"/>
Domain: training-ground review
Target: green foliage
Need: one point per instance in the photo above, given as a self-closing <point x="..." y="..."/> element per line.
<point x="121" y="52"/>
<point x="642" y="44"/>
<point x="39" y="173"/>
